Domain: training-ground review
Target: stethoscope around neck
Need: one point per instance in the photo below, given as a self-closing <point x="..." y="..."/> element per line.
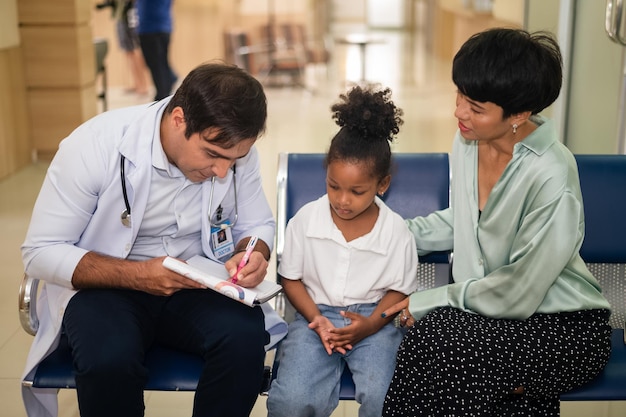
<point x="126" y="213"/>
<point x="126" y="219"/>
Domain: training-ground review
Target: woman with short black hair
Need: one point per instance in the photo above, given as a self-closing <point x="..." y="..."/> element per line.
<point x="524" y="319"/>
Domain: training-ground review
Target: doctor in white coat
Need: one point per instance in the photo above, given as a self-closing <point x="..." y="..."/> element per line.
<point x="126" y="189"/>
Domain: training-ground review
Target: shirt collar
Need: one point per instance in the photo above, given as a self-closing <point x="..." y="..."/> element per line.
<point x="159" y="158"/>
<point x="323" y="227"/>
<point x="541" y="139"/>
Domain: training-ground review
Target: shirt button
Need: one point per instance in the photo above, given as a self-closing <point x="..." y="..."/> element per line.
<point x="480" y="261"/>
<point x="128" y="246"/>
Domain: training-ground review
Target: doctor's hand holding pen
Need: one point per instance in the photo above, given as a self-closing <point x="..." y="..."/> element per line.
<point x="249" y="263"/>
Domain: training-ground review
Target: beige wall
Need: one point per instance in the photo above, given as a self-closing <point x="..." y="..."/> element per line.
<point x="15" y="144"/>
<point x="9" y="36"/>
<point x="543" y="15"/>
<point x="455" y="22"/>
<point x="597" y="68"/>
<point x="509" y="11"/>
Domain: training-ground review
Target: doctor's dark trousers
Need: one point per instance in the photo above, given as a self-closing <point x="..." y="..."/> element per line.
<point x="109" y="332"/>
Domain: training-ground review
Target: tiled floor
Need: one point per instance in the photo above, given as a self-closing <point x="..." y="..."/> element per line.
<point x="298" y="121"/>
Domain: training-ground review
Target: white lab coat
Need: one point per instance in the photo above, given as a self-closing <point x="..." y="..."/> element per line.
<point x="79" y="207"/>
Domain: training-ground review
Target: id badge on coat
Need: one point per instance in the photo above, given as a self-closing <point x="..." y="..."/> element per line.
<point x="222" y="241"/>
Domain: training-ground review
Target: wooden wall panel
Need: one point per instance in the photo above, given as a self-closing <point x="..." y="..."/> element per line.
<point x="58" y="56"/>
<point x="54" y="11"/>
<point x="15" y="142"/>
<point x="56" y="113"/>
<point x="59" y="68"/>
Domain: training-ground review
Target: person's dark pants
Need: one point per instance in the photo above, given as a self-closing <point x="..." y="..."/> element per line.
<point x="110" y="330"/>
<point x="155" y="49"/>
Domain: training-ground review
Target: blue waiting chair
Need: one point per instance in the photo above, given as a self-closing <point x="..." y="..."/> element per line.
<point x="603" y="184"/>
<point x="168" y="369"/>
<point x="420" y="185"/>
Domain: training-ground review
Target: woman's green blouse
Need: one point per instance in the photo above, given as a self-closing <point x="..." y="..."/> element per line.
<point x="520" y="256"/>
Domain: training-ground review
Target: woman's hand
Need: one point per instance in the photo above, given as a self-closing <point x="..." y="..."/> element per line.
<point x="404" y="317"/>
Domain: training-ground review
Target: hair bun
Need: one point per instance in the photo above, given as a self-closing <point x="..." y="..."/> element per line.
<point x="369" y="113"/>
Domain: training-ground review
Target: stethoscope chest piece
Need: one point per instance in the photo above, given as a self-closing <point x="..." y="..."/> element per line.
<point x="125" y="218"/>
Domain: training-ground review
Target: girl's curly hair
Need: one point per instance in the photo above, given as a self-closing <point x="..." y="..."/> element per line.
<point x="369" y="121"/>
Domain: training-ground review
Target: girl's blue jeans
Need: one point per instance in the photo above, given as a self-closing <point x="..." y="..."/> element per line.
<point x="307" y="383"/>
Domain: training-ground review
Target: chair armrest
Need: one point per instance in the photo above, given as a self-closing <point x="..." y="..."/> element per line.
<point x="283" y="307"/>
<point x="281" y="197"/>
<point x="253" y="49"/>
<point x="27" y="304"/>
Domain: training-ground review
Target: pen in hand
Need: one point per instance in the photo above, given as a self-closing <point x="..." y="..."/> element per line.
<point x="246" y="256"/>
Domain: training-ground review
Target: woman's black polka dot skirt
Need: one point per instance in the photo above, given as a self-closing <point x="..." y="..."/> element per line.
<point x="454" y="363"/>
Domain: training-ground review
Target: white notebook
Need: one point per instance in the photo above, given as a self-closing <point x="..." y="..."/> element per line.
<point x="214" y="276"/>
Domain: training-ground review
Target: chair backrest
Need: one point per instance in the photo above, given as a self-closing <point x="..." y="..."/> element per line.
<point x="235" y="41"/>
<point x="101" y="47"/>
<point x="419" y="185"/>
<point x="603" y="185"/>
<point x="295" y="36"/>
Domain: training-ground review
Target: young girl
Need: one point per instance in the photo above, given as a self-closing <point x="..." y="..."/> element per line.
<point x="347" y="258"/>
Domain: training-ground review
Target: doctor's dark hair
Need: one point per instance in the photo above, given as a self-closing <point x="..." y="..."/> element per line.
<point x="517" y="70"/>
<point x="368" y="121"/>
<point x="223" y="97"/>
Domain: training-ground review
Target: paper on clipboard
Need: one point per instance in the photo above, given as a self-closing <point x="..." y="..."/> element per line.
<point x="214" y="276"/>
